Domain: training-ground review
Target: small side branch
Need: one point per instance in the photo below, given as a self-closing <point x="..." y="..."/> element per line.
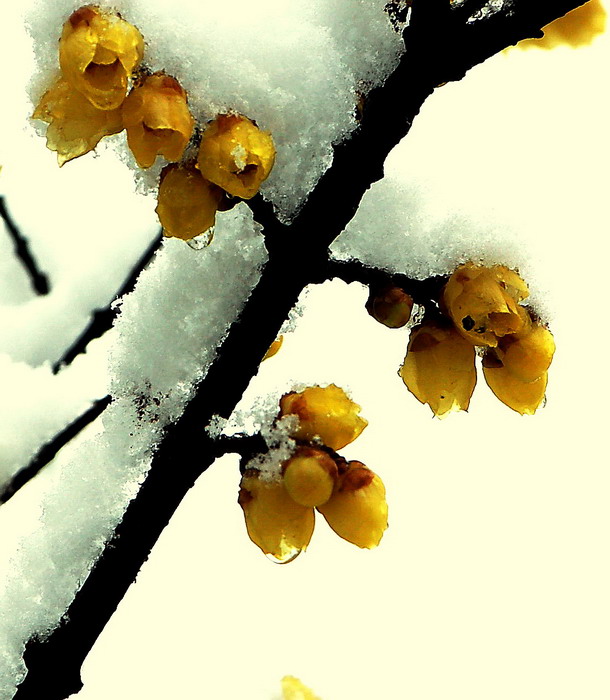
<point x="102" y="319"/>
<point x="38" y="279"/>
<point x="49" y="451"/>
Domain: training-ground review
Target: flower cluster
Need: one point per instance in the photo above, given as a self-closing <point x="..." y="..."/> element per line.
<point x="480" y="308"/>
<point x="279" y="512"/>
<point x="99" y="55"/>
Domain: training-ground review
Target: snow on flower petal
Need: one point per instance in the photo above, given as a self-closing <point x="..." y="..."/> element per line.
<point x="236" y="155"/>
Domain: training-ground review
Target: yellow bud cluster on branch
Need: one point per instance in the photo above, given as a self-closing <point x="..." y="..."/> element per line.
<point x="279" y="513"/>
<point x="480" y="307"/>
<point x="99" y="54"/>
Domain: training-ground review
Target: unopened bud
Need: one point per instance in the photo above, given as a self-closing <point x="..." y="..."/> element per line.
<point x="326" y="413"/>
<point x="391" y="306"/>
<point x="187" y="203"/>
<point x="357" y="511"/>
<point x="309" y="476"/>
<point x="527" y="356"/>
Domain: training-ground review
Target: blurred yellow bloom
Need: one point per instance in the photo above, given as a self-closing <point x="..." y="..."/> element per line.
<point x="483" y="302"/>
<point x="309" y="476"/>
<point x="236" y="155"/>
<point x="439" y="368"/>
<point x="577" y="28"/>
<point x="523" y="397"/>
<point x="294" y="689"/>
<point x="187" y="203"/>
<point x="357" y="511"/>
<point x="75" y="125"/>
<point x="391" y="306"/>
<point x="276" y="523"/>
<point x="157" y="119"/>
<point x="274" y="348"/>
<point x="98" y="52"/>
<point x="527" y="356"/>
<point x="326" y="413"/>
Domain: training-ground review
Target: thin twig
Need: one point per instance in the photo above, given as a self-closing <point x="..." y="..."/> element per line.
<point x="38" y="279"/>
<point x="102" y="319"/>
<point x="48" y="451"/>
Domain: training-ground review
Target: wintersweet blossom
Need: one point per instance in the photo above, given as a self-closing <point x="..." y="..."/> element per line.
<point x="98" y="52"/>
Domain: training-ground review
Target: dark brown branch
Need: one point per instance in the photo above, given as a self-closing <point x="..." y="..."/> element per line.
<point x="38" y="279"/>
<point x="297" y="255"/>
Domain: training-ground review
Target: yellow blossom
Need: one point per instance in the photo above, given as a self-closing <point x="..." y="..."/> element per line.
<point x="439" y="367"/>
<point x="577" y="28"/>
<point x="326" y="413"/>
<point x="98" y="52"/>
<point x="276" y="523"/>
<point x="294" y="689"/>
<point x="527" y="356"/>
<point x="391" y="306"/>
<point x="75" y="125"/>
<point x="157" y="119"/>
<point x="483" y="302"/>
<point x="523" y="397"/>
<point x="309" y="476"/>
<point x="236" y="155"/>
<point x="187" y="203"/>
<point x="357" y="511"/>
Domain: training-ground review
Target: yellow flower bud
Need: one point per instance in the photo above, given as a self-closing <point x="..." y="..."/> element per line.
<point x="274" y="348"/>
<point x="75" y="125"/>
<point x="276" y="523"/>
<point x="391" y="306"/>
<point x="527" y="356"/>
<point x="157" y="119"/>
<point x="357" y="511"/>
<point x="187" y="203"/>
<point x="326" y="413"/>
<point x="309" y="476"/>
<point x="98" y="52"/>
<point x="236" y="155"/>
<point x="439" y="368"/>
<point x="483" y="302"/>
<point x="294" y="689"/>
<point x="523" y="397"/>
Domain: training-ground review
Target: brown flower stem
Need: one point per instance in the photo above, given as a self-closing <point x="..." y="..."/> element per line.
<point x="297" y="254"/>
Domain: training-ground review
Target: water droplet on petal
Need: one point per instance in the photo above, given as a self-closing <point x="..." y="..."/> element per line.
<point x="203" y="240"/>
<point x="287" y="556"/>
